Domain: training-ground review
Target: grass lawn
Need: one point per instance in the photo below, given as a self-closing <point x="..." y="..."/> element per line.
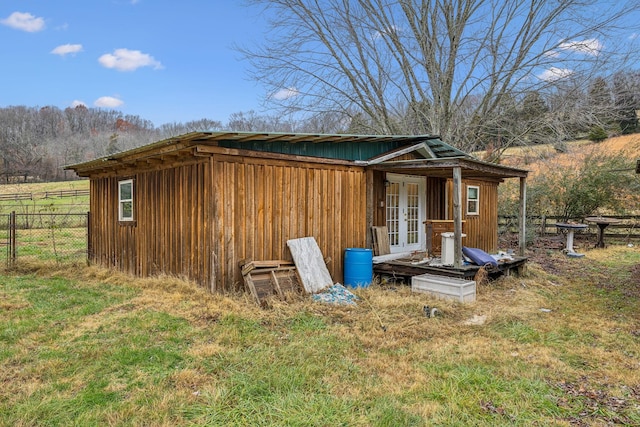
<point x="39" y="187"/>
<point x="559" y="346"/>
<point x="40" y="203"/>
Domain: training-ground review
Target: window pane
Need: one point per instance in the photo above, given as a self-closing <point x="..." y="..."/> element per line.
<point x="127" y="210"/>
<point x="125" y="191"/>
<point x="473" y="206"/>
<point x="473" y="193"/>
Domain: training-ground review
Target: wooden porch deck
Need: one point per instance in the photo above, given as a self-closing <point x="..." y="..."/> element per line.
<point x="405" y="268"/>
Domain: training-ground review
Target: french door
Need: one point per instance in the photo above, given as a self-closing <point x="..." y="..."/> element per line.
<point x="406" y="207"/>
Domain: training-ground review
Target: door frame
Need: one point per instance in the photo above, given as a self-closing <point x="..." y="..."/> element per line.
<point x="402" y="244"/>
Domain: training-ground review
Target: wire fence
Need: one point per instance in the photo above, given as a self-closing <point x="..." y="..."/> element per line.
<point x="43" y="237"/>
<point x="64" y="237"/>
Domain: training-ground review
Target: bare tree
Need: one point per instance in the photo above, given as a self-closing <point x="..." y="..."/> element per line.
<point x="172" y="129"/>
<point x="35" y="142"/>
<point x="626" y="88"/>
<point x="329" y="122"/>
<point x="448" y="67"/>
<point x="250" y="121"/>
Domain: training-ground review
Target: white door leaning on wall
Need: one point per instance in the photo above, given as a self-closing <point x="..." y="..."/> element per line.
<point x="406" y="207"/>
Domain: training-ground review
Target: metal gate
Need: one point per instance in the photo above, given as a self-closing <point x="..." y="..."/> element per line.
<point x="43" y="237"/>
<point x="4" y="237"/>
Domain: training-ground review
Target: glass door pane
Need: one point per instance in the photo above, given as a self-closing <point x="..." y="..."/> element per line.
<point x="412" y="213"/>
<point x="393" y="213"/>
<point x="405" y="210"/>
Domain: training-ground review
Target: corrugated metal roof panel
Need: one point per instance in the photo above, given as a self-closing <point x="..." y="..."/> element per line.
<point x="330" y="146"/>
<point x="344" y="147"/>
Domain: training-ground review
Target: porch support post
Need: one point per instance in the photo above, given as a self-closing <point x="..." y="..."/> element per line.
<point x="369" y="180"/>
<point x="522" y="236"/>
<point x="457" y="217"/>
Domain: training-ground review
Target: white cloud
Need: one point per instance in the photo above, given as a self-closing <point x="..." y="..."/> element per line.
<point x="24" y="21"/>
<point x="77" y="103"/>
<point x="393" y="29"/>
<point x="554" y="73"/>
<point x="66" y="49"/>
<point x="108" y="102"/>
<point x="588" y="46"/>
<point x="128" y="60"/>
<point x="285" y="93"/>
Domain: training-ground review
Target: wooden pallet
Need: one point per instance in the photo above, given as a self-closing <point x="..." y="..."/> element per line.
<point x="267" y="279"/>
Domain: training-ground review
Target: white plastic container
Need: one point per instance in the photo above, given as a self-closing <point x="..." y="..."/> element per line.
<point x="444" y="287"/>
<point x="447" y="247"/>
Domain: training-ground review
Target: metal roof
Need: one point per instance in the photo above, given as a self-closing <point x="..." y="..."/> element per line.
<point x="345" y="147"/>
<point x="334" y="146"/>
<point x="361" y="149"/>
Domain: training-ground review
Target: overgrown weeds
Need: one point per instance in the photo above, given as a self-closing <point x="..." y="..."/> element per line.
<point x="89" y="346"/>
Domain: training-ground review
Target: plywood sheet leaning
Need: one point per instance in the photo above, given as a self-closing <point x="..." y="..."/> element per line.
<point x="310" y="264"/>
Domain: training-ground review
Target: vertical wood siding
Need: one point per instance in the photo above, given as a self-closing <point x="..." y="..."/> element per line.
<point x="259" y="205"/>
<point x="436" y="196"/>
<point x="379" y="198"/>
<point x="482" y="229"/>
<point x="199" y="220"/>
<point x="171" y="229"/>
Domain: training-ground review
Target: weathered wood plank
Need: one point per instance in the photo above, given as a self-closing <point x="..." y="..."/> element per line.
<point x="248" y="266"/>
<point x="381" y="244"/>
<point x="199" y="218"/>
<point x="272" y="158"/>
<point x="229" y="233"/>
<point x="310" y="264"/>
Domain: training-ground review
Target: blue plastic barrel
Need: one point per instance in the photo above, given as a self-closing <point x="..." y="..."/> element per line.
<point x="358" y="267"/>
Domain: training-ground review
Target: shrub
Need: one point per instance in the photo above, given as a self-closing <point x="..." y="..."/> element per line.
<point x="588" y="184"/>
<point x="597" y="134"/>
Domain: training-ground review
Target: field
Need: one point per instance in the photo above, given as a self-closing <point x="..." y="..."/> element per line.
<point x="559" y="346"/>
<point x="80" y="345"/>
<point x="51" y="221"/>
<point x="45" y="197"/>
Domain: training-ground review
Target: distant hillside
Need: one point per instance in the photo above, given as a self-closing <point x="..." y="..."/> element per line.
<point x="530" y="157"/>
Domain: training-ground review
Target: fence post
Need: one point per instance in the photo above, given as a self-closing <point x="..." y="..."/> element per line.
<point x="12" y="238"/>
<point x="89" y="248"/>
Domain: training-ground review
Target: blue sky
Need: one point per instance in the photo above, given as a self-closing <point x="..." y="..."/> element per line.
<point x="163" y="60"/>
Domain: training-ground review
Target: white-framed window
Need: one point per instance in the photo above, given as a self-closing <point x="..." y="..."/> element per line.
<point x="125" y="200"/>
<point x="473" y="200"/>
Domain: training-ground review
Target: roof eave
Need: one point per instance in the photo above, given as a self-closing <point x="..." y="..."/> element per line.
<point x="468" y="164"/>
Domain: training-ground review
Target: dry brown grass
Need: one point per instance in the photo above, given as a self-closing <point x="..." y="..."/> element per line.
<point x="533" y="158"/>
<point x="29" y="187"/>
<point x="566" y="324"/>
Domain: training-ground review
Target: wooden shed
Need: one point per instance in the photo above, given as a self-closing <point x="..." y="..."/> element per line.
<point x="197" y="204"/>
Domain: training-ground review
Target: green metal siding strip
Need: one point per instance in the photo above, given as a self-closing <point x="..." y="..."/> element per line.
<point x="343" y="151"/>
